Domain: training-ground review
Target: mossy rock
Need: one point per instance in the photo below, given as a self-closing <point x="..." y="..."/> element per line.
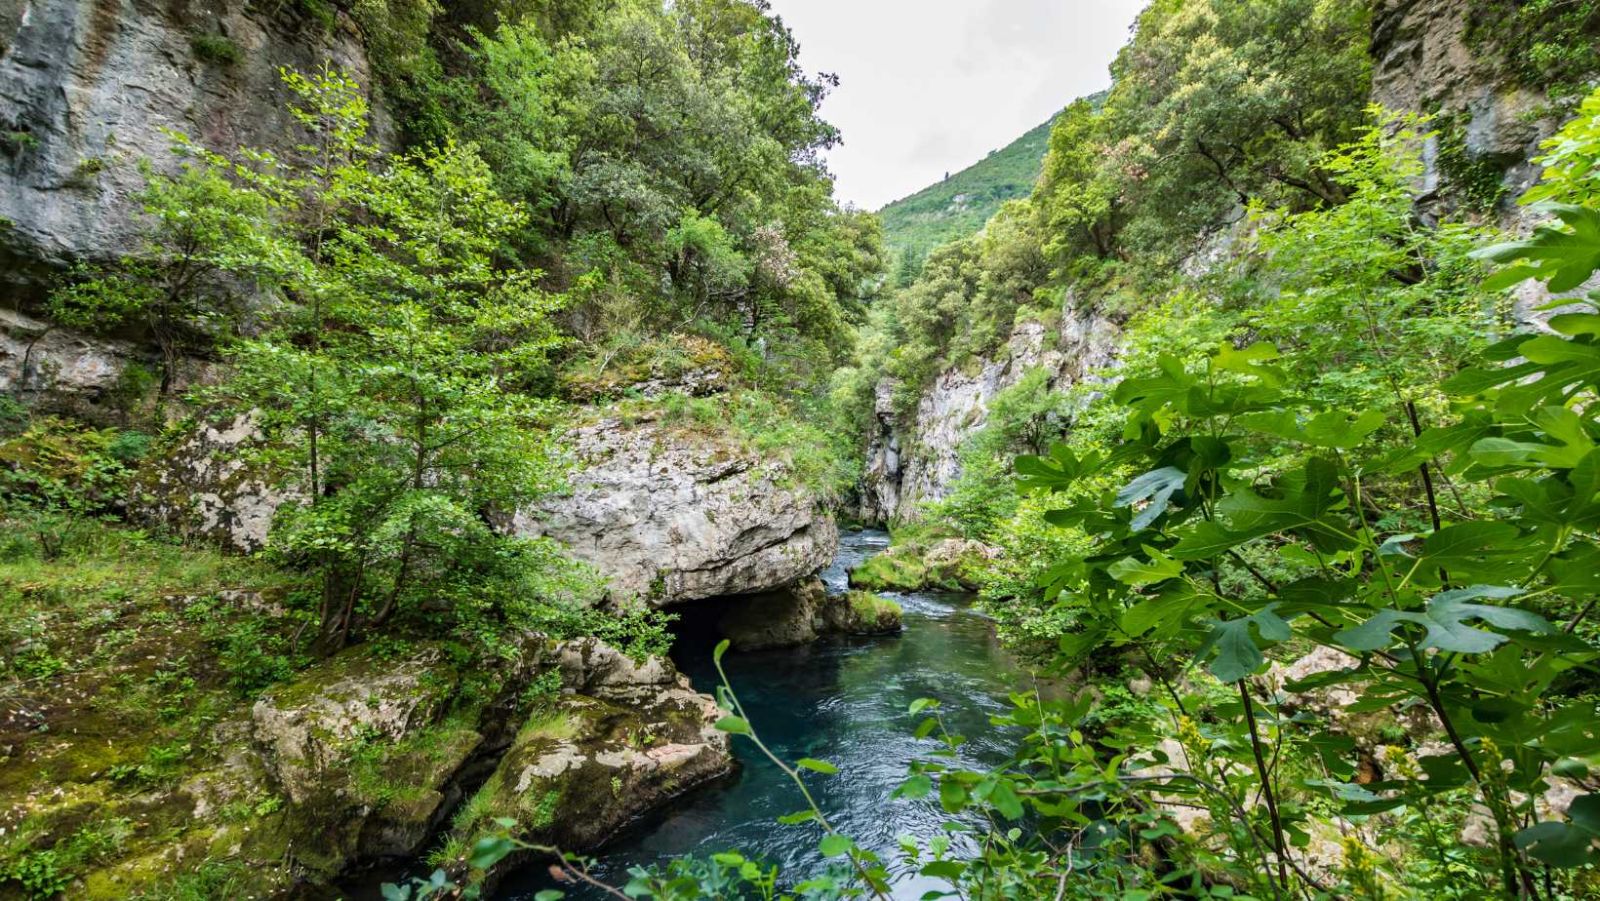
<point x="950" y="564"/>
<point x="584" y="767"/>
<point x="865" y="613"/>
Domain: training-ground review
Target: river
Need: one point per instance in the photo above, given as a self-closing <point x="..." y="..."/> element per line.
<point x="842" y="700"/>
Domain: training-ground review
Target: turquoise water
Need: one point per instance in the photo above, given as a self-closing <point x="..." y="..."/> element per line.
<point x="840" y="700"/>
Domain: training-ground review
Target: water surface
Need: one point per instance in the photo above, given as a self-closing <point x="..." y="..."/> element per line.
<point x="840" y="700"/>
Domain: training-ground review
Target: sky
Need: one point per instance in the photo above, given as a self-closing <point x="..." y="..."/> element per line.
<point x="931" y="86"/>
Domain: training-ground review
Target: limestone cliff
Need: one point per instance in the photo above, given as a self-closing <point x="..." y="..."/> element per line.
<point x="88" y="88"/>
<point x="672" y="515"/>
<point x="910" y="463"/>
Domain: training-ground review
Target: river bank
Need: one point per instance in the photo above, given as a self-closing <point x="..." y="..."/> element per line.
<point x="842" y="699"/>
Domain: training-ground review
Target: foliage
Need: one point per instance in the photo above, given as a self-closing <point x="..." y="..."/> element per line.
<point x="215" y="49"/>
<point x="406" y="344"/>
<point x="694" y="194"/>
<point x="46" y="873"/>
<point x="201" y="234"/>
<point x="1546" y="44"/>
<point x="1475" y="618"/>
<point x="1571" y="173"/>
<point x="958" y="206"/>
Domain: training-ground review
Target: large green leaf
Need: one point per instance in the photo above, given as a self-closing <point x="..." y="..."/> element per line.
<point x="1154" y="489"/>
<point x="1237" y="653"/>
<point x="1445" y="620"/>
<point x="1136" y="572"/>
<point x="1329" y="429"/>
<point x="1301" y="508"/>
<point x="1563" y="257"/>
<point x="1485" y="548"/>
<point x="1570" y="844"/>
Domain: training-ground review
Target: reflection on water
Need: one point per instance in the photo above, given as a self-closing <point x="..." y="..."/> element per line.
<point x="843" y="701"/>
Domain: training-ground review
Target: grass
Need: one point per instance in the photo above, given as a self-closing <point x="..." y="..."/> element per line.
<point x="103" y="589"/>
<point x="754" y="422"/>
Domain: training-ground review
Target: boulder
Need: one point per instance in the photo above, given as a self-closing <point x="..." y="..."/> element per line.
<point x="947" y="564"/>
<point x="308" y="729"/>
<point x="621" y="738"/>
<point x="862" y="613"/>
<point x="672" y="515"/>
<point x="206" y="485"/>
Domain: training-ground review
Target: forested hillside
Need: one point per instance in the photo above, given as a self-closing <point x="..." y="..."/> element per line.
<point x="960" y="204"/>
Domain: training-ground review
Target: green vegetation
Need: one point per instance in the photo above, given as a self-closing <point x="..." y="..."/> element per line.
<point x="874" y="612"/>
<point x="1545" y="44"/>
<point x="215" y="49"/>
<point x="961" y="204"/>
<point x="1322" y="550"/>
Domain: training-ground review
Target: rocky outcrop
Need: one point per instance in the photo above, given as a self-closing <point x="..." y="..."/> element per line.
<point x="87" y="88"/>
<point x="946" y="564"/>
<point x="910" y="463"/>
<point x="1423" y="61"/>
<point x="1488" y="126"/>
<point x="209" y="485"/>
<point x="356" y="760"/>
<point x="803" y="613"/>
<point x="671" y="515"/>
<point x="621" y="738"/>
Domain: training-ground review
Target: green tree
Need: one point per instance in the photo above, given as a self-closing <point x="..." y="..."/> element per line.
<point x="406" y="345"/>
<point x="202" y="233"/>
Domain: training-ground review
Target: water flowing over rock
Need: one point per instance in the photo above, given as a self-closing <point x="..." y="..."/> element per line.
<point x="910" y="463"/>
<point x="673" y="516"/>
<point x="86" y="89"/>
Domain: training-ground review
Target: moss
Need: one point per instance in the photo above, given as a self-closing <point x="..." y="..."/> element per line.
<point x="874" y="610"/>
<point x="215" y="49"/>
<point x="1478" y="180"/>
<point x="899" y="570"/>
<point x="388" y="775"/>
<point x="918" y="565"/>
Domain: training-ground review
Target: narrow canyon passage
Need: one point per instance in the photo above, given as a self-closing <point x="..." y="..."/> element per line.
<point x="842" y="700"/>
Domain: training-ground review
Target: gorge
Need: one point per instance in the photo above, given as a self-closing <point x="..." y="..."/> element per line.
<point x="468" y="450"/>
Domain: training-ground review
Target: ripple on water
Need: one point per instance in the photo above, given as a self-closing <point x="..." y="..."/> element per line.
<point x="843" y="701"/>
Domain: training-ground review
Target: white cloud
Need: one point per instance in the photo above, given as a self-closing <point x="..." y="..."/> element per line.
<point x="931" y="86"/>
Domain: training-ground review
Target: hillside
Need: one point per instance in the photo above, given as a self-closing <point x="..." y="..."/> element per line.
<point x="959" y="205"/>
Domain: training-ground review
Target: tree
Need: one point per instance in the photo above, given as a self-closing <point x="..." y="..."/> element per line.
<point x="408" y="344"/>
<point x="1219" y="103"/>
<point x="202" y="235"/>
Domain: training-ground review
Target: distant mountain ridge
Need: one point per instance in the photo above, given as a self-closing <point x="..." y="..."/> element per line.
<point x="962" y="203"/>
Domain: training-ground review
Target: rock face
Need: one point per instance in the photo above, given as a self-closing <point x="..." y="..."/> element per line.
<point x="672" y="516"/>
<point x="1422" y="62"/>
<point x="912" y="463"/>
<point x="621" y="738"/>
<point x="206" y="486"/>
<point x="87" y="87"/>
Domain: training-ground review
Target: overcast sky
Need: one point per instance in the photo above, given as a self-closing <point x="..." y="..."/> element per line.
<point x="931" y="86"/>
